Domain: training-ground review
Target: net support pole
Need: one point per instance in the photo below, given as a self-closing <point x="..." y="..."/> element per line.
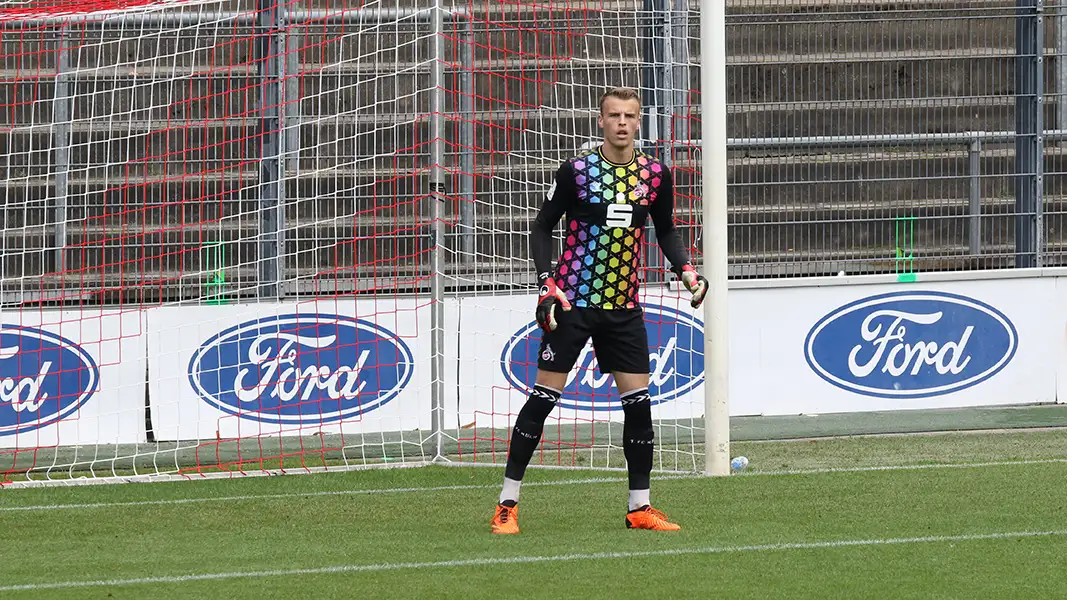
<point x="1029" y="127"/>
<point x="466" y="142"/>
<point x="654" y="68"/>
<point x="1061" y="68"/>
<point x="974" y="174"/>
<point x="437" y="198"/>
<point x="713" y="193"/>
<point x="677" y="51"/>
<point x="62" y="115"/>
<point x="269" y="58"/>
<point x="291" y="103"/>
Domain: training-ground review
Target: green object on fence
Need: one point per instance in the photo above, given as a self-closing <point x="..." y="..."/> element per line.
<point x="215" y="261"/>
<point x="905" y="247"/>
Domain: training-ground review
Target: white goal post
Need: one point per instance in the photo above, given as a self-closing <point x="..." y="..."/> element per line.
<point x="716" y="310"/>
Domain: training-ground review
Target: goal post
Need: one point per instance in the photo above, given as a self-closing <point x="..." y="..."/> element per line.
<point x="249" y="236"/>
<point x="715" y="246"/>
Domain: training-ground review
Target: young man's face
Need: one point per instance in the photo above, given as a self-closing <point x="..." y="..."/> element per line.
<point x="620" y="119"/>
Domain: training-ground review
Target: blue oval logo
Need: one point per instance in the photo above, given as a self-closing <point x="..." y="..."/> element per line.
<point x="676" y="356"/>
<point x="44" y="378"/>
<point x="910" y="344"/>
<point x="301" y="369"/>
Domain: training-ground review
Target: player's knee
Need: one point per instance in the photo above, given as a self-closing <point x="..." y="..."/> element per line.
<point x="637" y="410"/>
<point x="531" y="419"/>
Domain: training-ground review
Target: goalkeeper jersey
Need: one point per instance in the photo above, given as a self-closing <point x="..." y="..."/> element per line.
<point x="605" y="206"/>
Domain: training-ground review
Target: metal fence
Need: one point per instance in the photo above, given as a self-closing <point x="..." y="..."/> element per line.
<point x="872" y="137"/>
<point x="372" y="149"/>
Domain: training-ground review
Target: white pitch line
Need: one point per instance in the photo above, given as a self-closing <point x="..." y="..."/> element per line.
<point x="448" y="488"/>
<point x="440" y="488"/>
<point x="511" y="560"/>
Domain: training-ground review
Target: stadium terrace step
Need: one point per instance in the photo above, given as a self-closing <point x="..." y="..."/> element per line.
<point x="516" y="130"/>
<point x="852" y="6"/>
<point x="330" y="170"/>
<point x="529" y="132"/>
<point x="132" y="74"/>
<point x="945" y="78"/>
<point x="802" y="118"/>
<point x="147" y="287"/>
<point x="813" y="183"/>
<point x="507" y="220"/>
<point x="813" y="27"/>
<point x="392" y="243"/>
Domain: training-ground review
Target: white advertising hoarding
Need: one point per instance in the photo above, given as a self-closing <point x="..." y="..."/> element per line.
<point x="71" y="377"/>
<point x="856" y="348"/>
<point x="297" y="368"/>
<point x="1058" y="327"/>
<point x="796" y="350"/>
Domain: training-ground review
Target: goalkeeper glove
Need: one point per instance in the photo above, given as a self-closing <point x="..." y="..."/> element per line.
<point x="695" y="283"/>
<point x="551" y="296"/>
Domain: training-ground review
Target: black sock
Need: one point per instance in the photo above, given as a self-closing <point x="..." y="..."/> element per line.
<point x="528" y="428"/>
<point x="638" y="438"/>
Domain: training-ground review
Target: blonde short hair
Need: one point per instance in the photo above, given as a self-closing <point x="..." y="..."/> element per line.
<point x="622" y="93"/>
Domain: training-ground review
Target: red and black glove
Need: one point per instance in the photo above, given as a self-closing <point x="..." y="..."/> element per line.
<point x="695" y="283"/>
<point x="551" y="297"/>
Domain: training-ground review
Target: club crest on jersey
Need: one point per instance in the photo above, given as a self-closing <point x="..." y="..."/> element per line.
<point x="548" y="354"/>
<point x="640" y="191"/>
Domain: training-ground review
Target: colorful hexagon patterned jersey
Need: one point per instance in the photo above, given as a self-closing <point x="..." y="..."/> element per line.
<point x="600" y="264"/>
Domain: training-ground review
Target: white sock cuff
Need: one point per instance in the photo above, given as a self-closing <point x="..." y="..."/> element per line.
<point x="639" y="498"/>
<point x="511" y="490"/>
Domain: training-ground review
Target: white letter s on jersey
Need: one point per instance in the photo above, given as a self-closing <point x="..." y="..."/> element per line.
<point x="620" y="215"/>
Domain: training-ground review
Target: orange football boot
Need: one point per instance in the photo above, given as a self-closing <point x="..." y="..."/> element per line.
<point x="647" y="517"/>
<point x="506" y="519"/>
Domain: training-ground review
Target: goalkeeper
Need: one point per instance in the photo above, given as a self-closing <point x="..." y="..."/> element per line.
<point x="607" y="194"/>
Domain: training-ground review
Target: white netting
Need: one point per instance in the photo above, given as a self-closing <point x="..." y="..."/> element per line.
<point x="268" y="260"/>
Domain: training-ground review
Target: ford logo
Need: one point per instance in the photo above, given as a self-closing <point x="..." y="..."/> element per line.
<point x="300" y="369"/>
<point x="676" y="356"/>
<point x="44" y="378"/>
<point x="910" y="344"/>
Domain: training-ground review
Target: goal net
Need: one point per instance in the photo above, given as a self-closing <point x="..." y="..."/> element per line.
<point x="246" y="236"/>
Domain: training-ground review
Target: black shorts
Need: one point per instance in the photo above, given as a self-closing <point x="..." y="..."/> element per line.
<point x="620" y="340"/>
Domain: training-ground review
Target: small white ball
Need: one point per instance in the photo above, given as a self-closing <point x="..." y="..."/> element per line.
<point x="840" y="273"/>
<point x="739" y="463"/>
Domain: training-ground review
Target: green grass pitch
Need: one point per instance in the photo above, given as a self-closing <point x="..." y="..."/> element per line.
<point x="846" y="521"/>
